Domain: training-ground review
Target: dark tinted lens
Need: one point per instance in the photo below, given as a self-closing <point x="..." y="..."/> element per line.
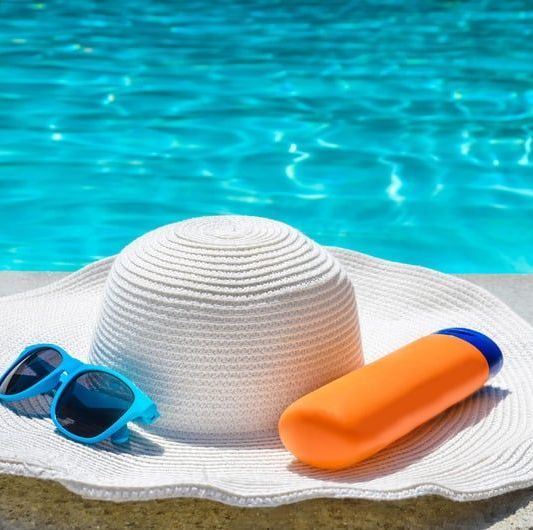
<point x="32" y="369"/>
<point x="92" y="402"/>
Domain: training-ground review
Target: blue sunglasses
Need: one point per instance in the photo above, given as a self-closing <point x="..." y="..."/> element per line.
<point x="91" y="403"/>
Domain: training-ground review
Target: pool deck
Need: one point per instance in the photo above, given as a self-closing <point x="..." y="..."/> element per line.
<point x="30" y="503"/>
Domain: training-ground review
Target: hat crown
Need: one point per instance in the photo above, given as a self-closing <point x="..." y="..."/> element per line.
<point x="225" y="320"/>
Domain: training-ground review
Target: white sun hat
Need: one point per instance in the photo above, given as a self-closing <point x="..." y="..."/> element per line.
<point x="224" y="321"/>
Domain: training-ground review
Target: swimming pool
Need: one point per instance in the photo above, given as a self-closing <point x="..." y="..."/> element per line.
<point x="400" y="131"/>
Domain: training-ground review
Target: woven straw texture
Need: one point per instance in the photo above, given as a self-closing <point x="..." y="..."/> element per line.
<point x="214" y="316"/>
<point x="217" y="311"/>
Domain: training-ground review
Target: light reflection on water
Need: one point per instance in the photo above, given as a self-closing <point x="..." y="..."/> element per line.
<point x="396" y="130"/>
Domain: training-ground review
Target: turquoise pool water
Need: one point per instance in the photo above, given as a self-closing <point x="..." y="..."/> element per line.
<point x="400" y="129"/>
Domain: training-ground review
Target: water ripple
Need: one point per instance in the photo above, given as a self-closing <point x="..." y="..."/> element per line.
<point x="379" y="126"/>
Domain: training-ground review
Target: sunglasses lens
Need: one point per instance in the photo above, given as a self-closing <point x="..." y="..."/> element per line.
<point x="92" y="402"/>
<point x="32" y="369"/>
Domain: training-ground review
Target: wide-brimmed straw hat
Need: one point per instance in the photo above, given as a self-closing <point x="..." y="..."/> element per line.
<point x="224" y="321"/>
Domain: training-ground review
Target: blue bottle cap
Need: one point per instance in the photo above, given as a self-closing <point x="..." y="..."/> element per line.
<point x="484" y="344"/>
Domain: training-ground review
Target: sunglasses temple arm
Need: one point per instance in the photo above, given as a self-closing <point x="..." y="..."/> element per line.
<point x="149" y="415"/>
<point x="121" y="436"/>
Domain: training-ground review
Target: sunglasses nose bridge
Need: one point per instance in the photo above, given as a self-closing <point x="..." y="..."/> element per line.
<point x="69" y="366"/>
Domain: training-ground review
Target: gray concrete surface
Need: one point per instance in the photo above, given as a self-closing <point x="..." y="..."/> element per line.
<point x="34" y="504"/>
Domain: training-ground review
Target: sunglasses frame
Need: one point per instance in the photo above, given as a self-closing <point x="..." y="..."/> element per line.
<point x="142" y="409"/>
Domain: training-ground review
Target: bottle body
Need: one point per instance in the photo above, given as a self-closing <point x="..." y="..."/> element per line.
<point x="357" y="415"/>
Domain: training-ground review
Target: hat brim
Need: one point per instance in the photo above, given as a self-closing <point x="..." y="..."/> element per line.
<point x="479" y="448"/>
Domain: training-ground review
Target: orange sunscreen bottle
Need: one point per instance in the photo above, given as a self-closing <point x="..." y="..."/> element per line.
<point x="357" y="415"/>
